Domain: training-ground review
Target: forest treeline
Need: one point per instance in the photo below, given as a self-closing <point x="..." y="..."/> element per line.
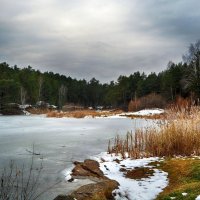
<point x="27" y="85"/>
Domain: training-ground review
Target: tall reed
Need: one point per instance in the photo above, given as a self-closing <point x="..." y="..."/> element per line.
<point x="179" y="134"/>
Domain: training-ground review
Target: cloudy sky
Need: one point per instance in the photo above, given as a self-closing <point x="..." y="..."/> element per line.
<point x="97" y="38"/>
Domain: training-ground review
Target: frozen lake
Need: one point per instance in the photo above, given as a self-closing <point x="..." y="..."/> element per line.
<point x="60" y="141"/>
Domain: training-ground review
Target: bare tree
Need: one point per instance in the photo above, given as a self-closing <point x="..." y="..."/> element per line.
<point x="62" y="95"/>
<point x="40" y="82"/>
<point x="20" y="183"/>
<point x="192" y="77"/>
<point x="23" y="95"/>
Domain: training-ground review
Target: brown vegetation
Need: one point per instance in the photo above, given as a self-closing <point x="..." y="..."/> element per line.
<point x="179" y="134"/>
<point x="181" y="104"/>
<point x="83" y="113"/>
<point x="38" y="111"/>
<point x="139" y="173"/>
<point x="152" y="100"/>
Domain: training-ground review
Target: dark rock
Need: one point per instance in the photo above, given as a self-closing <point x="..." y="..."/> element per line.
<point x="71" y="180"/>
<point x="62" y="197"/>
<point x="96" y="191"/>
<point x="101" y="190"/>
<point x="87" y="168"/>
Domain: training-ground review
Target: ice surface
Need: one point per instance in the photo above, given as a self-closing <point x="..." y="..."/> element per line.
<point x="60" y="142"/>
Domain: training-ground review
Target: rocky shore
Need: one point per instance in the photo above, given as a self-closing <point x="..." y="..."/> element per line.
<point x="100" y="190"/>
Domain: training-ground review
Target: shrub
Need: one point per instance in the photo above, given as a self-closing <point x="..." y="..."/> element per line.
<point x="152" y="100"/>
<point x="181" y="104"/>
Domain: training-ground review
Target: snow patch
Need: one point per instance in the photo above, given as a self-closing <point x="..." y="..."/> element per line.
<point x="131" y="189"/>
<point x="198" y="198"/>
<point x="145" y="112"/>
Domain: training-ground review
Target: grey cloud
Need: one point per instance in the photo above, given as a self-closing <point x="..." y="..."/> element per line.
<point x="97" y="38"/>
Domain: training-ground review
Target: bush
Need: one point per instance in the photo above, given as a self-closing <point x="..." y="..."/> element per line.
<point x="152" y="100"/>
<point x="181" y="104"/>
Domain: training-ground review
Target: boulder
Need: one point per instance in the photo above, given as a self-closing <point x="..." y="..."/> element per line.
<point x="62" y="197"/>
<point x="101" y="190"/>
<point x="88" y="168"/>
<point x="95" y="191"/>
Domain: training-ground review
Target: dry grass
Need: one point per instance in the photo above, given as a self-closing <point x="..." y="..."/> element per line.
<point x="139" y="173"/>
<point x="38" y="111"/>
<point x="83" y="113"/>
<point x="179" y="134"/>
<point x="184" y="177"/>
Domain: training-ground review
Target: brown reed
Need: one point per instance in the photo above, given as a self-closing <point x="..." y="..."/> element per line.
<point x="178" y="134"/>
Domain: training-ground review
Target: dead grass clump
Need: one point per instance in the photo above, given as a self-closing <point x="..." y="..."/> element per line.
<point x="55" y="114"/>
<point x="179" y="135"/>
<point x="132" y="146"/>
<point x="74" y="114"/>
<point x="83" y="113"/>
<point x="181" y="104"/>
<point x="139" y="173"/>
<point x="38" y="111"/>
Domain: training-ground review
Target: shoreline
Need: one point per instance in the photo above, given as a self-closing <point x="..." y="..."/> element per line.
<point x="110" y="170"/>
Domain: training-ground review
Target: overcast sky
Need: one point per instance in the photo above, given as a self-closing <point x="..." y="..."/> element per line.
<point x="97" y="38"/>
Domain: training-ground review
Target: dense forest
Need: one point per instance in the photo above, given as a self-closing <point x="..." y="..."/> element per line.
<point x="26" y="85"/>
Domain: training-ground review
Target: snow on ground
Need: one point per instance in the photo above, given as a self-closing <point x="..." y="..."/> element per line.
<point x="131" y="189"/>
<point x="198" y="198"/>
<point x="117" y="116"/>
<point x="145" y="112"/>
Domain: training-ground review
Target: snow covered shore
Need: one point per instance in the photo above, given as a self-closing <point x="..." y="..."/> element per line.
<point x="141" y="113"/>
<point x="133" y="189"/>
<point x="145" y="112"/>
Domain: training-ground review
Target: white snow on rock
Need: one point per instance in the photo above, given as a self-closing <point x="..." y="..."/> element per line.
<point x="131" y="189"/>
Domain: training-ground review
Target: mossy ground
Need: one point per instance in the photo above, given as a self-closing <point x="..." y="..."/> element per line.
<point x="184" y="177"/>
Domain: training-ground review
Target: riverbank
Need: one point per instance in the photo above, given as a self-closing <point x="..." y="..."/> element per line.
<point x="60" y="141"/>
<point x="174" y="170"/>
<point x="140" y="179"/>
<point x="154" y="113"/>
